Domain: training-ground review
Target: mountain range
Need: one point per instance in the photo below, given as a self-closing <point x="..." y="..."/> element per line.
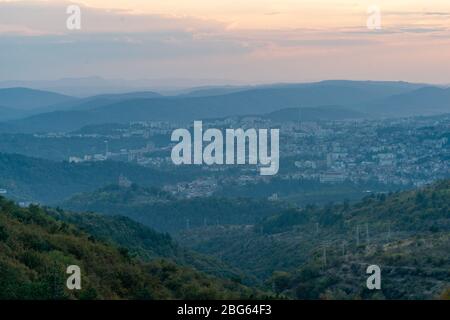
<point x="29" y="99"/>
<point x="349" y="99"/>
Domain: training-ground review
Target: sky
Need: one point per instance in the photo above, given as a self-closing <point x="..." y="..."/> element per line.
<point x="238" y="41"/>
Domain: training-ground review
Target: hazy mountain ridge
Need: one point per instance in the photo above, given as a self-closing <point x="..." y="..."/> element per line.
<point x="258" y="100"/>
<point x="423" y="101"/>
<point x="322" y="113"/>
<point x="7" y="113"/>
<point x="95" y="85"/>
<point x="29" y="99"/>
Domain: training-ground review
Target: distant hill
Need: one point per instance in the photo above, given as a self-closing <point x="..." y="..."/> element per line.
<point x="39" y="180"/>
<point x="94" y="85"/>
<point x="162" y="212"/>
<point x="36" y="249"/>
<point x="9" y="113"/>
<point x="315" y="114"/>
<point x="384" y="88"/>
<point x="29" y="99"/>
<point x="99" y="101"/>
<point x="127" y="96"/>
<point x="424" y="101"/>
<point x="214" y="91"/>
<point x="259" y="100"/>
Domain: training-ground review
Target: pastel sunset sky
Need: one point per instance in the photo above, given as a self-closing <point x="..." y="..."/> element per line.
<point x="243" y="41"/>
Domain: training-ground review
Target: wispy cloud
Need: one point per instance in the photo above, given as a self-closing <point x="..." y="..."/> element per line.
<point x="50" y="17"/>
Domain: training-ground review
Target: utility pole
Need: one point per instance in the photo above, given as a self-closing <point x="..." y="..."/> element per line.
<point x="187" y="224"/>
<point x="317" y="228"/>
<point x="324" y="256"/>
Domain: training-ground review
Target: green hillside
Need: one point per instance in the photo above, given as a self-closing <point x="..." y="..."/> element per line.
<point x="415" y="267"/>
<point x="44" y="181"/>
<point x="322" y="252"/>
<point x="35" y="250"/>
<point x="300" y="253"/>
<point x="146" y="244"/>
<point x="162" y="212"/>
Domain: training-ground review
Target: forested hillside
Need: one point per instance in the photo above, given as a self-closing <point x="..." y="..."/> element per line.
<point x="323" y="252"/>
<point x="44" y="181"/>
<point x="146" y="244"/>
<point x="299" y="253"/>
<point x="161" y="211"/>
<point x="35" y="250"/>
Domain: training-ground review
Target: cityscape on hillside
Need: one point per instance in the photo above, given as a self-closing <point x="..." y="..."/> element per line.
<point x="394" y="153"/>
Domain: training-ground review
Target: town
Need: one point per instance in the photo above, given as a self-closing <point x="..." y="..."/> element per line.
<point x="391" y="154"/>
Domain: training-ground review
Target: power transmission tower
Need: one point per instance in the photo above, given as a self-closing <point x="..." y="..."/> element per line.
<point x="389" y="230"/>
<point x="367" y="233"/>
<point x="299" y="117"/>
<point x="54" y="284"/>
<point x="357" y="235"/>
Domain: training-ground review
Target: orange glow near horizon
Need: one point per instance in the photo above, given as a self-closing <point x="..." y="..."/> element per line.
<point x="287" y="14"/>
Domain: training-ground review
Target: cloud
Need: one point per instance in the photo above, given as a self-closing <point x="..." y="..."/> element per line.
<point x="273" y="13"/>
<point x="50" y="18"/>
<point x="119" y="43"/>
<point x="416" y="13"/>
<point x="437" y="13"/>
<point x="14" y="29"/>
